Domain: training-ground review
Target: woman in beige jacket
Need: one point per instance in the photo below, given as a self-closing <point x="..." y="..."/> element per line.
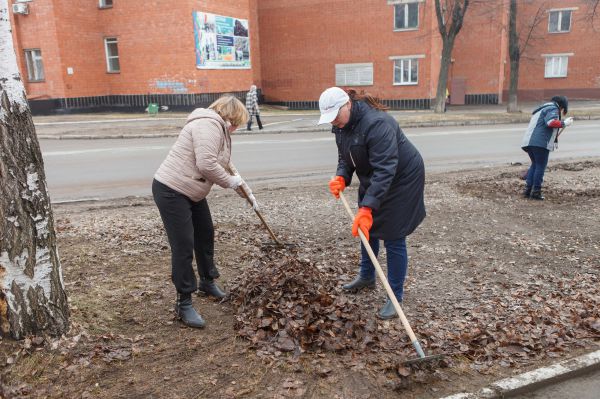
<point x="200" y="157"/>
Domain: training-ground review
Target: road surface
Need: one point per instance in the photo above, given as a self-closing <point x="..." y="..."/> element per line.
<point x="584" y="387"/>
<point x="111" y="168"/>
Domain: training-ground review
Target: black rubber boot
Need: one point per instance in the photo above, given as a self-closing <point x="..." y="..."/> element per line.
<point x="537" y="195"/>
<point x="527" y="192"/>
<point x="359" y="283"/>
<point x="210" y="288"/>
<point x="387" y="311"/>
<point x="186" y="312"/>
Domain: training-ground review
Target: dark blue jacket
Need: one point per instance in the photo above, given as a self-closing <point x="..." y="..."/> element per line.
<point x="389" y="168"/>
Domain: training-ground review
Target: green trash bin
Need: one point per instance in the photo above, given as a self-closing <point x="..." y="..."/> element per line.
<point x="152" y="109"/>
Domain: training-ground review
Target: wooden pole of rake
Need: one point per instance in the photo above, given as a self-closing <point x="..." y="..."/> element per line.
<point x="260" y="216"/>
<point x="390" y="293"/>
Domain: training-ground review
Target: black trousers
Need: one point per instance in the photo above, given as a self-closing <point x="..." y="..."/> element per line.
<point x="257" y="121"/>
<point x="190" y="230"/>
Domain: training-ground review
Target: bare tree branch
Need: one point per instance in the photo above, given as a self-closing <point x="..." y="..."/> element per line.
<point x="531" y="27"/>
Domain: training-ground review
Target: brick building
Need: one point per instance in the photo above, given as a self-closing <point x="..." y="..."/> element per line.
<point x="103" y="54"/>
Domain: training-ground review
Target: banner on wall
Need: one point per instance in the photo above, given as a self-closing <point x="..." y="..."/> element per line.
<point x="221" y="42"/>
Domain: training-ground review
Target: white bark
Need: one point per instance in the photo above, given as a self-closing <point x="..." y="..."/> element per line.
<point x="9" y="71"/>
<point x="32" y="296"/>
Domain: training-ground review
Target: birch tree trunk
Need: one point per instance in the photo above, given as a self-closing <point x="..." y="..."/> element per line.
<point x="32" y="296"/>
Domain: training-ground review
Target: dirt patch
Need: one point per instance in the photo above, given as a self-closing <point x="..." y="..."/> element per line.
<point x="502" y="283"/>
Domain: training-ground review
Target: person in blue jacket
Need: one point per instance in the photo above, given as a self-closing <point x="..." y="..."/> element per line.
<point x="391" y="176"/>
<point x="540" y="138"/>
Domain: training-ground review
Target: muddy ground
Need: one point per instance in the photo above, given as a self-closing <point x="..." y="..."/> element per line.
<point x="501" y="283"/>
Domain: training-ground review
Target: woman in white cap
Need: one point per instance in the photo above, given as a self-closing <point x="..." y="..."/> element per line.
<point x="391" y="177"/>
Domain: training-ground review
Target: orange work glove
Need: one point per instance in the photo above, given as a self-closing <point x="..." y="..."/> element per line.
<point x="336" y="185"/>
<point x="364" y="221"/>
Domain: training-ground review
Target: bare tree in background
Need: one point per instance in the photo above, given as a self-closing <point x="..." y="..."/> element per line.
<point x="517" y="43"/>
<point x="593" y="11"/>
<point x="450" y="17"/>
<point x="594" y="6"/>
<point x="32" y="296"/>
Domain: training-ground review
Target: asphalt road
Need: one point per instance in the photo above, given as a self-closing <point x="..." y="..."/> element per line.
<point x="111" y="168"/>
<point x="584" y="387"/>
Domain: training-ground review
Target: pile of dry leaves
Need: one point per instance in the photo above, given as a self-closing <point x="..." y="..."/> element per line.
<point x="290" y="304"/>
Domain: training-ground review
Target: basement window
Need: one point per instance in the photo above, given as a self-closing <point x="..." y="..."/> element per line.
<point x="35" y="66"/>
<point x="354" y="74"/>
<point x="406" y="16"/>
<point x="559" y="21"/>
<point x="112" y="55"/>
<point x="105" y="3"/>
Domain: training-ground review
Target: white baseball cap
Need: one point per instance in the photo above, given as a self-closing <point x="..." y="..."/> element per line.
<point x="330" y="102"/>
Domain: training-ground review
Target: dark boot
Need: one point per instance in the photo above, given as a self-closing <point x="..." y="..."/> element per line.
<point x="387" y="311"/>
<point x="249" y="127"/>
<point x="210" y="288"/>
<point x="527" y="192"/>
<point x="186" y="312"/>
<point x="359" y="283"/>
<point x="537" y="195"/>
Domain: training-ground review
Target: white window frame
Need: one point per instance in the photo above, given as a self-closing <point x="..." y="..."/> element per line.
<point x="35" y="65"/>
<point x="105" y="3"/>
<point x="107" y="41"/>
<point x="560" y="12"/>
<point x="406" y="60"/>
<point x="556" y="62"/>
<point x="406" y="5"/>
<point x="360" y="74"/>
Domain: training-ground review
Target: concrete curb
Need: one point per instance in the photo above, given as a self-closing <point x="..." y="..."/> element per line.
<point x="305" y="129"/>
<point x="536" y="379"/>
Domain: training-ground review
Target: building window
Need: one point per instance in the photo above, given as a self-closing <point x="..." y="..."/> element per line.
<point x="559" y="21"/>
<point x="35" y="66"/>
<point x="112" y="54"/>
<point x="556" y="66"/>
<point x="406" y="16"/>
<point x="105" y="3"/>
<point x="406" y="71"/>
<point x="354" y="74"/>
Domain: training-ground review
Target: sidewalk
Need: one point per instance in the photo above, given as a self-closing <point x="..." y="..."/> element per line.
<point x="536" y="379"/>
<point x="167" y="124"/>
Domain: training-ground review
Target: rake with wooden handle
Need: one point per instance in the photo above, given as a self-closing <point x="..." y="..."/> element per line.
<point x="260" y="216"/>
<point x="390" y="293"/>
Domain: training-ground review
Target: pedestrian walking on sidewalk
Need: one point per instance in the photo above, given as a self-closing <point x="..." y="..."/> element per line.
<point x="200" y="157"/>
<point x="540" y="138"/>
<point x="391" y="178"/>
<point x="252" y="108"/>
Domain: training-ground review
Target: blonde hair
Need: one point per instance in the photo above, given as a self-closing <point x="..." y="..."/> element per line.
<point x="231" y="109"/>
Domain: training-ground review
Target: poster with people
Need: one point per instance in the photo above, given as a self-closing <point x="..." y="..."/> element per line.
<point x="221" y="42"/>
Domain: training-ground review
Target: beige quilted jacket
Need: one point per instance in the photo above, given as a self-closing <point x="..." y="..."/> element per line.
<point x="200" y="157"/>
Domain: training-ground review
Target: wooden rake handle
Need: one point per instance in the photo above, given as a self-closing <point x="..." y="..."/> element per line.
<point x="263" y="221"/>
<point x="386" y="284"/>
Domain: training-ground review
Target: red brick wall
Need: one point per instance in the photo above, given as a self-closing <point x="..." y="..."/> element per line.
<point x="37" y="30"/>
<point x="303" y="40"/>
<point x="295" y="45"/>
<point x="583" y="74"/>
<point x="481" y="48"/>
<point x="79" y="34"/>
<point x="155" y="41"/>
